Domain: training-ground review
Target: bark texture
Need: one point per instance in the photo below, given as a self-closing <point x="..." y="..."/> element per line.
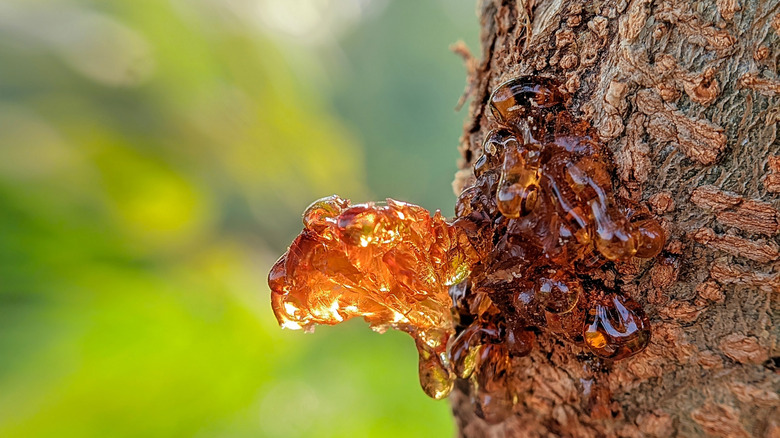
<point x="687" y="96"/>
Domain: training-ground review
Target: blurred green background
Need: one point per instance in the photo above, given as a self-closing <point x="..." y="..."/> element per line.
<point x="155" y="157"/>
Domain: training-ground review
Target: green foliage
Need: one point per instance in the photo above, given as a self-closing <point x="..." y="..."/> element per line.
<point x="156" y="157"/>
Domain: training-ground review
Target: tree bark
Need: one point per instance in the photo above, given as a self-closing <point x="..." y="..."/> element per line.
<point x="686" y="96"/>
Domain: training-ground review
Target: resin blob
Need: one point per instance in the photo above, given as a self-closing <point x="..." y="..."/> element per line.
<point x="517" y="260"/>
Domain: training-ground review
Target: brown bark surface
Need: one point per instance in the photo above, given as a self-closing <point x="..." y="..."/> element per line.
<point x="687" y="97"/>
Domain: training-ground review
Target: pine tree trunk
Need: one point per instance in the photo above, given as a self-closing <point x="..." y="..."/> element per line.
<point x="687" y="97"/>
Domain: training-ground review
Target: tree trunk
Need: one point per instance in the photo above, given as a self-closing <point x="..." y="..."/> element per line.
<point x="685" y="94"/>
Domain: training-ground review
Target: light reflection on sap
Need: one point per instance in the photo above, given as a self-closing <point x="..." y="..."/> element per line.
<point x="390" y="264"/>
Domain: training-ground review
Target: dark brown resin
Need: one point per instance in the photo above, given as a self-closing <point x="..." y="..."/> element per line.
<point x="551" y="222"/>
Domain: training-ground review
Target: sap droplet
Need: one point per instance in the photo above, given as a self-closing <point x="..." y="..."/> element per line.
<point x="616" y="328"/>
<point x="517" y="97"/>
<point x="322" y="213"/>
<point x="518" y="187"/>
<point x="650" y="238"/>
<point x="613" y="236"/>
<point x="559" y="292"/>
<point x="557" y="184"/>
<point x="496" y="141"/>
<point x="435" y="376"/>
<point x="480" y="165"/>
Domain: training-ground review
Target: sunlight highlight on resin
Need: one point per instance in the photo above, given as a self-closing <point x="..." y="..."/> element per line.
<point x="389" y="264"/>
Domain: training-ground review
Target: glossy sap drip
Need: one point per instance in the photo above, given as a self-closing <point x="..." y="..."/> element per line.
<point x="616" y="328"/>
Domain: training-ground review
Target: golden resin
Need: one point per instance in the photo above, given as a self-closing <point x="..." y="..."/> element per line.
<point x="390" y="264"/>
